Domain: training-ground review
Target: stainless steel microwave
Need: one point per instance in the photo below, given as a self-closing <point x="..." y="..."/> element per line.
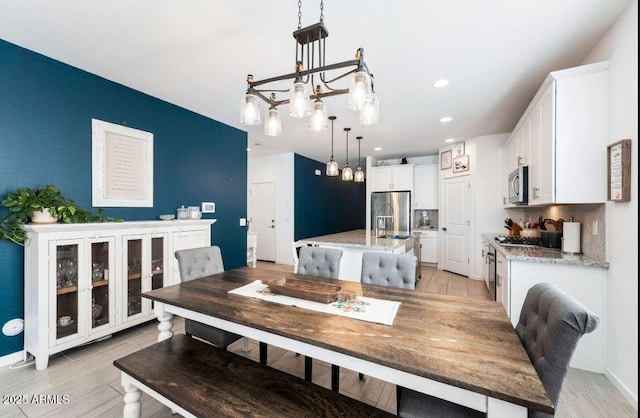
<point x="519" y="185"/>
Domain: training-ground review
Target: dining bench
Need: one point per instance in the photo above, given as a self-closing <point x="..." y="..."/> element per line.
<point x="196" y="379"/>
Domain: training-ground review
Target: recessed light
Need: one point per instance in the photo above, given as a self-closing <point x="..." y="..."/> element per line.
<point x="449" y="140"/>
<point x="441" y="83"/>
<point x="446" y="119"/>
<point x="377" y="149"/>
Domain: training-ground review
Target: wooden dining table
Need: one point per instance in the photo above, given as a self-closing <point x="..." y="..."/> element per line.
<point x="463" y="350"/>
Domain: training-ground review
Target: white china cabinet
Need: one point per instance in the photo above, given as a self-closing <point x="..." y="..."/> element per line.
<point x="85" y="281"/>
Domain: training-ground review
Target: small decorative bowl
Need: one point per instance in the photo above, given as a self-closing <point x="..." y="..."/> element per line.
<point x="167" y="217"/>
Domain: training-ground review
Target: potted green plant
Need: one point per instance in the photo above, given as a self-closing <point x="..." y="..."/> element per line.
<point x="44" y="204"/>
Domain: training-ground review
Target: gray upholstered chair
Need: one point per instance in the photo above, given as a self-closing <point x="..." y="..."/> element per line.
<point x="193" y="264"/>
<point x="551" y="324"/>
<point x="386" y="269"/>
<point x="321" y="262"/>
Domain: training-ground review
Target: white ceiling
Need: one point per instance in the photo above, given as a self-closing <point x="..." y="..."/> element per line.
<point x="197" y="54"/>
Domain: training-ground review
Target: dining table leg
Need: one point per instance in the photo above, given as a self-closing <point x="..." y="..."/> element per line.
<point x="166" y="322"/>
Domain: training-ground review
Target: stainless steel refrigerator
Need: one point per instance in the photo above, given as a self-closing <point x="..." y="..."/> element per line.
<point x="391" y="213"/>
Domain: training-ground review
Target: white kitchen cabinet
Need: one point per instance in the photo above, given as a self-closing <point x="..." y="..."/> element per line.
<point x="567" y="125"/>
<point x="503" y="281"/>
<point x="428" y="246"/>
<point x="425" y="186"/>
<point x="95" y="274"/>
<point x="586" y="284"/>
<point x="392" y="178"/>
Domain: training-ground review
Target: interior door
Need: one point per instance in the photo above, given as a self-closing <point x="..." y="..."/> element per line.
<point x="262" y="218"/>
<point x="455" y="224"/>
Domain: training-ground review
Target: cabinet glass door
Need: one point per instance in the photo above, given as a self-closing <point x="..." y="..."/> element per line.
<point x="157" y="263"/>
<point x="134" y="277"/>
<point x="101" y="286"/>
<point x="67" y="295"/>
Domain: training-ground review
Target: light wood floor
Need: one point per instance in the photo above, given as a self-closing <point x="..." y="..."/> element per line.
<point x="86" y="375"/>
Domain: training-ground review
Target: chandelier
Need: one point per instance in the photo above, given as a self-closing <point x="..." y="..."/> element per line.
<point x="313" y="80"/>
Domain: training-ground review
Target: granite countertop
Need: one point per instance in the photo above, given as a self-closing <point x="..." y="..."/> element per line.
<point x="425" y="228"/>
<point x="543" y="255"/>
<point x="359" y="238"/>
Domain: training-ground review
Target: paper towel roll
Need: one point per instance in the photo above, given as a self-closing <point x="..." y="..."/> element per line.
<point x="571" y="237"/>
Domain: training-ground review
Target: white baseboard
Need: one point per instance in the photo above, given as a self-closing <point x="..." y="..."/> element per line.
<point x="9" y="359"/>
<point x="626" y="393"/>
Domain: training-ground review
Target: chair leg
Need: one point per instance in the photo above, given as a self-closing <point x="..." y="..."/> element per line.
<point x="361" y="376"/>
<point x="335" y="378"/>
<point x="263" y="353"/>
<point x="245" y="344"/>
<point x="398" y="393"/>
<point x="308" y="368"/>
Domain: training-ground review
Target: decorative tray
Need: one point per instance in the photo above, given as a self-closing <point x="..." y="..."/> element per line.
<point x="304" y="289"/>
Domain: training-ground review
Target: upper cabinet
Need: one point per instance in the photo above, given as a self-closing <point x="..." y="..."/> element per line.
<point x="425" y="190"/>
<point x="392" y="178"/>
<point x="562" y="138"/>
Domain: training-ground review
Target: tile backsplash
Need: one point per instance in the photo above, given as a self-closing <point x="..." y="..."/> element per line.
<point x="588" y="215"/>
<point x="417" y="220"/>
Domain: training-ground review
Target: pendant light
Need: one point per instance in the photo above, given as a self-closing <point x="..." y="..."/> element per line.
<point x="347" y="172"/>
<point x="332" y="165"/>
<point x="358" y="176"/>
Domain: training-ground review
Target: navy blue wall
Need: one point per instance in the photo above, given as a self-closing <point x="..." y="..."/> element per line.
<point x="325" y="205"/>
<point x="46" y="109"/>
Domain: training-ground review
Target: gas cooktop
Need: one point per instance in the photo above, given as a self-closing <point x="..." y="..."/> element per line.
<point x="518" y="241"/>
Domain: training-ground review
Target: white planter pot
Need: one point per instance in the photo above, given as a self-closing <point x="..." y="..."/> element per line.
<point x="43" y="217"/>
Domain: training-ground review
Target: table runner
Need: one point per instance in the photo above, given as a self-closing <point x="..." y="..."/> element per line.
<point x="363" y="308"/>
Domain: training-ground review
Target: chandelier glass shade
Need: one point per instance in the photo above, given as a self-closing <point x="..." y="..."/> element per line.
<point x="370" y="113"/>
<point x="347" y="172"/>
<point x="318" y="118"/>
<point x="250" y="110"/>
<point x="360" y="90"/>
<point x="332" y="165"/>
<point x="299" y="103"/>
<point x="273" y="122"/>
<point x="311" y="70"/>
<point x="358" y="175"/>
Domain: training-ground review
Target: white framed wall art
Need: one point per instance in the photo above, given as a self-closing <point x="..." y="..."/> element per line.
<point x="122" y="166"/>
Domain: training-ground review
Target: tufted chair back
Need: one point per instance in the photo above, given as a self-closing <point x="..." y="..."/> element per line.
<point x="385" y="269"/>
<point x="193" y="264"/>
<point x="550" y="326"/>
<point x="199" y="262"/>
<point x="318" y="261"/>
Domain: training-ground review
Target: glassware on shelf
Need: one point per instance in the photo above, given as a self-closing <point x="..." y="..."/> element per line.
<point x="97" y="272"/>
<point x="135" y="266"/>
<point x="156" y="264"/>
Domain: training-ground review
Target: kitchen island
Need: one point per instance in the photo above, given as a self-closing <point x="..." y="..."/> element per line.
<point x="354" y="243"/>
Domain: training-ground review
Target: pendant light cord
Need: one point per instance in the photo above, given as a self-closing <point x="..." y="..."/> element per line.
<point x="332" y="118"/>
<point x="347" y="131"/>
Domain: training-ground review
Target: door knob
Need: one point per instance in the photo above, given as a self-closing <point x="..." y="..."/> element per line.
<point x="444" y="228"/>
